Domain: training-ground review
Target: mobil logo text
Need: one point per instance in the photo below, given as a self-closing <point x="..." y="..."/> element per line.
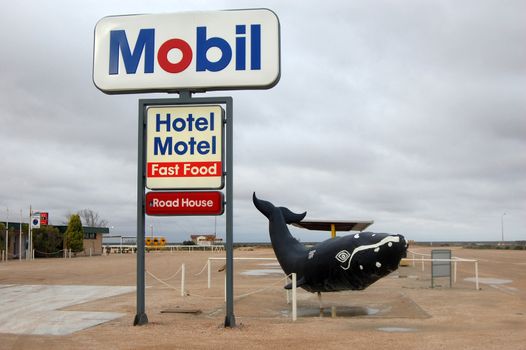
<point x="143" y="46"/>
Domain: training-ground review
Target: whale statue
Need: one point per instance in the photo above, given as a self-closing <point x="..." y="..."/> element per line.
<point x="351" y="262"/>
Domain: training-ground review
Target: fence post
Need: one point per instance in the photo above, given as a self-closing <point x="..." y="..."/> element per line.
<point x="182" y="279"/>
<point x="33" y="254"/>
<point x="422" y="259"/>
<point x="477" y="275"/>
<point x="294" y="299"/>
<point x="209" y="274"/>
<point x="288" y="291"/>
<point x="413" y="259"/>
<point x="455" y="272"/>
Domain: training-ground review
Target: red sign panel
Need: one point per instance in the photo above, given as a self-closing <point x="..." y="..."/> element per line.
<point x="44" y="218"/>
<point x="184" y="203"/>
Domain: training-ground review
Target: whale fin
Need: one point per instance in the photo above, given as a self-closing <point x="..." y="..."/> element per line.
<point x="299" y="283"/>
<point x="266" y="209"/>
<point x="263" y="206"/>
<point x="291" y="217"/>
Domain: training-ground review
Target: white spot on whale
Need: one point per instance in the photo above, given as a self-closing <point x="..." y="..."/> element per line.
<point x="374" y="234"/>
<point x="390" y="244"/>
<point x="378" y="264"/>
<point x="361" y="267"/>
<point x="377" y="249"/>
<point x="357" y="235"/>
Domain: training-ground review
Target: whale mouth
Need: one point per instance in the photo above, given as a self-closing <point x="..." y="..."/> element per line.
<point x="344" y="255"/>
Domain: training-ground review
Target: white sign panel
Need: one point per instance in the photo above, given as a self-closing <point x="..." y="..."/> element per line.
<point x="238" y="49"/>
<point x="184" y="147"/>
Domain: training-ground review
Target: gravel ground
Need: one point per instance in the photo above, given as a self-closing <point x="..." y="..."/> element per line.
<point x="401" y="311"/>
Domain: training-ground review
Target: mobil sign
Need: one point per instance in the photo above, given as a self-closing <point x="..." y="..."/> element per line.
<point x="197" y="51"/>
<point x="184" y="147"/>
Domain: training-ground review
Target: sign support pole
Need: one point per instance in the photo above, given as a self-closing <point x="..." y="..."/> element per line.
<point x="230" y="320"/>
<point x="185" y="99"/>
<point x="140" y="317"/>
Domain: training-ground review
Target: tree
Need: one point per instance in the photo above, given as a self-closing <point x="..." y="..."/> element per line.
<point x="74" y="236"/>
<point x="47" y="241"/>
<point x="92" y="218"/>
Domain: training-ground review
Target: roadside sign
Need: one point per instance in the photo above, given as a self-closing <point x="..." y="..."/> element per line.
<point x="198" y="51"/>
<point x="184" y="203"/>
<point x="184" y="147"/>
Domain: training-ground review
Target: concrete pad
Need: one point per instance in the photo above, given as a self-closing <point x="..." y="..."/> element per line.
<point x="34" y="309"/>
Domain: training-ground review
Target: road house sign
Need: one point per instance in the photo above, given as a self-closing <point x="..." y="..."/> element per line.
<point x="184" y="147"/>
<point x="184" y="203"/>
<point x="199" y="51"/>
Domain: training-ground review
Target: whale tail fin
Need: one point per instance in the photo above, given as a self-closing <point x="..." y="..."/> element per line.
<point x="291" y="217"/>
<point x="266" y="209"/>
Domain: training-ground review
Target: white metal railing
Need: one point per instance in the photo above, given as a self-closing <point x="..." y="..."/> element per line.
<point x="454" y="259"/>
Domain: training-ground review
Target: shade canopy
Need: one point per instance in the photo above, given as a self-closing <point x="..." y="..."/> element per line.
<point x="339" y="225"/>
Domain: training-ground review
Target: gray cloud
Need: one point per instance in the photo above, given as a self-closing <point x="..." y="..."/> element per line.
<point x="409" y="113"/>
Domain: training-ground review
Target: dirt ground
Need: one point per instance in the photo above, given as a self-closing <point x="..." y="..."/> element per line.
<point x="401" y="311"/>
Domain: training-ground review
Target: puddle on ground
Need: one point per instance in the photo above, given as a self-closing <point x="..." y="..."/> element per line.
<point x="396" y="329"/>
<point x="262" y="272"/>
<point x="485" y="280"/>
<point x="335" y="311"/>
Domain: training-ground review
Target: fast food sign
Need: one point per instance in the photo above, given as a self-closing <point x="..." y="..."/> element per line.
<point x="184" y="147"/>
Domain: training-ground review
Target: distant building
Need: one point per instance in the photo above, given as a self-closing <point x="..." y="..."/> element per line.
<point x="206" y="239"/>
<point x="18" y="243"/>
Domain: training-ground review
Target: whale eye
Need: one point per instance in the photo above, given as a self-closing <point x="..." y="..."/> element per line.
<point x="378" y="264"/>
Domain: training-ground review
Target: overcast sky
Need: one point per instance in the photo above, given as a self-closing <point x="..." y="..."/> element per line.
<point x="409" y="113"/>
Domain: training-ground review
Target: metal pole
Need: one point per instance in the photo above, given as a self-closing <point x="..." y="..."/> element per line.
<point x="30" y="235"/>
<point x="140" y="317"/>
<point x="502" y="226"/>
<point x="182" y="279"/>
<point x="7" y="236"/>
<point x="477" y="275"/>
<point x="209" y="275"/>
<point x="294" y="298"/>
<point x="230" y="320"/>
<point x="20" y="238"/>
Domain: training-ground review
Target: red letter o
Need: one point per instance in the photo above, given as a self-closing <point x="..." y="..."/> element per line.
<point x="186" y="59"/>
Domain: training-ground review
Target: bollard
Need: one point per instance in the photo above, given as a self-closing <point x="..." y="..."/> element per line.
<point x="294" y="299"/>
<point x="209" y="275"/>
<point x="477" y="275"/>
<point x="182" y="279"/>
<point x="455" y="272"/>
<point x="33" y="254"/>
<point x="288" y="291"/>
